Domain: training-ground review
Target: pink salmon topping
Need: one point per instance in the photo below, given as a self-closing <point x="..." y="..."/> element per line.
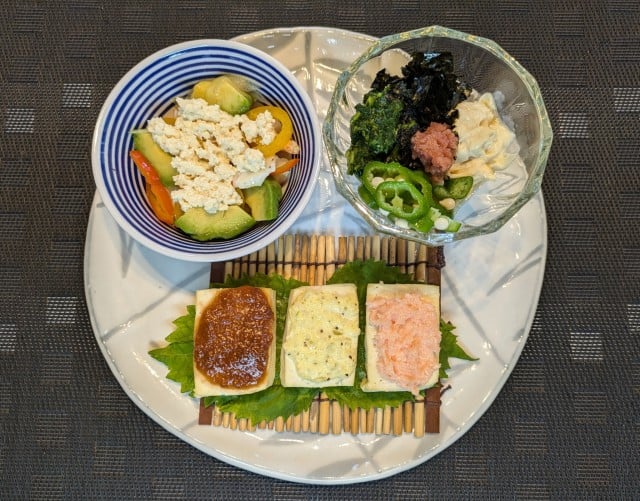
<point x="407" y="339"/>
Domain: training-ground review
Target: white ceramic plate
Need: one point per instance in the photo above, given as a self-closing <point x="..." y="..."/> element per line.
<point x="490" y="291"/>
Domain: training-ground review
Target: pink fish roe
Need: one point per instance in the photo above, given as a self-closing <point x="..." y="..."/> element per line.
<point x="407" y="339"/>
<point x="435" y="147"/>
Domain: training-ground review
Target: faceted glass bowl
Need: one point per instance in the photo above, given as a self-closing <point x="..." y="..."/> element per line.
<point x="487" y="68"/>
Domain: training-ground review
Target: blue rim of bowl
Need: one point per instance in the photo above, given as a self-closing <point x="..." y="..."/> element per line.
<point x="147" y="90"/>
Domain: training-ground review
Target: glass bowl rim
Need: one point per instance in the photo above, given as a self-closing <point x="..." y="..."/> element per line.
<point x="377" y="220"/>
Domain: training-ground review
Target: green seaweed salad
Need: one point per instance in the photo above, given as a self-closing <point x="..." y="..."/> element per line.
<point x="381" y="129"/>
<point x="277" y="401"/>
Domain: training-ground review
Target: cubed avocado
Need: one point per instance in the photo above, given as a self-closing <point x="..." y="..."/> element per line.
<point x="224" y="92"/>
<point x="264" y="200"/>
<point x="157" y="157"/>
<point x="201" y="225"/>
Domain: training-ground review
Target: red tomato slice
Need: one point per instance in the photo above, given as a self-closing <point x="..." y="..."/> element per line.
<point x="158" y="196"/>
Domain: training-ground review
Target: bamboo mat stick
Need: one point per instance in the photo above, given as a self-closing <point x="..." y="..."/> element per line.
<point x="205" y="415"/>
<point x="375" y="248"/>
<point x="418" y="418"/>
<point x="370" y="420"/>
<point x="304" y="251"/>
<point x="398" y="420"/>
<point x="421" y="267"/>
<point x="253" y="265"/>
<point x="384" y="249"/>
<point x="408" y="417"/>
<point x="401" y="255"/>
<point x="363" y="421"/>
<point x="433" y="270"/>
<point x="393" y="251"/>
<point x="280" y="256"/>
<point x="313" y="418"/>
<point x="410" y="258"/>
<point x="228" y="268"/>
<point x="432" y="412"/>
<point x="301" y="421"/>
<point x="262" y="260"/>
<point x="342" y="250"/>
<point x="351" y="248"/>
<point x="336" y="418"/>
<point x="288" y="255"/>
<point x="379" y="413"/>
<point x="321" y="255"/>
<point x="313" y="259"/>
<point x="360" y="248"/>
<point x="355" y="420"/>
<point x="217" y="417"/>
<point x="346" y="418"/>
<point x="272" y="258"/>
<point x="386" y="420"/>
<point x="330" y="256"/>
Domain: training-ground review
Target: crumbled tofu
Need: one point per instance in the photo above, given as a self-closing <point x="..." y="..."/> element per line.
<point x="212" y="153"/>
<point x="292" y="147"/>
<point x="207" y="191"/>
<point x="170" y="138"/>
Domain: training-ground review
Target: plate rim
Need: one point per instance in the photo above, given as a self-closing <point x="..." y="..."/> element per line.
<point x="404" y="466"/>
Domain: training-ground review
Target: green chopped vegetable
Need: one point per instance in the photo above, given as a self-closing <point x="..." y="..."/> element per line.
<point x="373" y="128"/>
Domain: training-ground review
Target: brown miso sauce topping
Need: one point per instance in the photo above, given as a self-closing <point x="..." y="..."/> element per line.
<point x="234" y="337"/>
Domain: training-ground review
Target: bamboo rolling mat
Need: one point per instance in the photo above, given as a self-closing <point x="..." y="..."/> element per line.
<point x="313" y="259"/>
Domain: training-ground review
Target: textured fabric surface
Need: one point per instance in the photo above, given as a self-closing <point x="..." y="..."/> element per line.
<point x="567" y="423"/>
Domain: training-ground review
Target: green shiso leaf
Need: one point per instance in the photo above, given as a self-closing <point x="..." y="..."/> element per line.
<point x="449" y="348"/>
<point x="277" y="401"/>
<point x="178" y="354"/>
<point x="268" y="404"/>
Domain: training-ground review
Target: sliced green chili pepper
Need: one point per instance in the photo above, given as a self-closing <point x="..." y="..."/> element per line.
<point x="375" y="171"/>
<point x="456" y="188"/>
<point x="401" y="199"/>
<point x="367" y="197"/>
<point x="419" y="179"/>
<point x="459" y="187"/>
<point x="440" y="192"/>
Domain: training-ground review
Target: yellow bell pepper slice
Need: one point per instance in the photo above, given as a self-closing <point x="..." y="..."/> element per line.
<point x="282" y="137"/>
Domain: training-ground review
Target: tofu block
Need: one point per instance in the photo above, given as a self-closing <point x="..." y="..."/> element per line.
<point x="233" y="356"/>
<point x="320" y="343"/>
<point x="402" y="337"/>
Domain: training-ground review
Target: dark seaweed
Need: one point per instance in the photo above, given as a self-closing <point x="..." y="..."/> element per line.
<point x="428" y="90"/>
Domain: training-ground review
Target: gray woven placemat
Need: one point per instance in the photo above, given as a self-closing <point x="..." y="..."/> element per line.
<point x="567" y="423"/>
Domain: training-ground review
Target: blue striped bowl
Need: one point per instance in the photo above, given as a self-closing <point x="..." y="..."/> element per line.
<point x="148" y="90"/>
